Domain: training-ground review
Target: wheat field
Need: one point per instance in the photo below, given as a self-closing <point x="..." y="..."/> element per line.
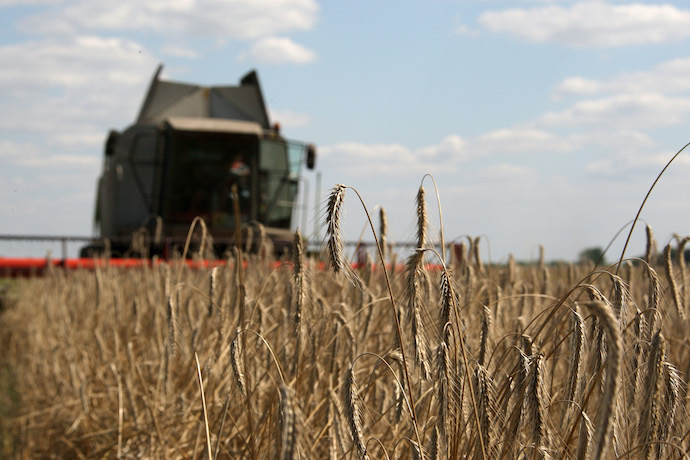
<point x="283" y="358"/>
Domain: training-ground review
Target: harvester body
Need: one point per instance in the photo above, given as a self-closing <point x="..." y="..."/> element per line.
<point x="196" y="151"/>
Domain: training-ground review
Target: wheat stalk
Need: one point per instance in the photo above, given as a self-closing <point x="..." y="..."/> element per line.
<point x="203" y="405"/>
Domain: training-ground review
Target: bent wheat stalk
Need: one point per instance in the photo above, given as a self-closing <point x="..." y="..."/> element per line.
<point x="639" y="211"/>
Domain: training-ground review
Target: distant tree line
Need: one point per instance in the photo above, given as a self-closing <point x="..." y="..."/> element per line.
<point x="596" y="255"/>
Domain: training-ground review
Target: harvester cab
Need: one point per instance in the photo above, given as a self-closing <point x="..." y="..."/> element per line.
<point x="196" y="151"/>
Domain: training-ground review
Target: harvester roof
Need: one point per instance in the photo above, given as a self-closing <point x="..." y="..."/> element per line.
<point x="166" y="99"/>
<point x="214" y="125"/>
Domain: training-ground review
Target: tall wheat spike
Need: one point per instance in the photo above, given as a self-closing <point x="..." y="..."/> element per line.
<point x="446" y="304"/>
<point x="675" y="291"/>
<point x="485" y="395"/>
<point x="212" y="289"/>
<point x="619" y="300"/>
<point x="485" y="333"/>
<point x="414" y="301"/>
<point x="536" y="402"/>
<point x="648" y="428"/>
<point x="237" y="363"/>
<point x="422" y="218"/>
<point x="611" y="386"/>
<point x="353" y="411"/>
<point x="586" y="431"/>
<point x="515" y="418"/>
<point x="673" y="387"/>
<point x="286" y="421"/>
<point x="651" y="243"/>
<point x="681" y="264"/>
<point x="383" y="233"/>
<point x="299" y="294"/>
<point x="577" y="349"/>
<point x="654" y="298"/>
<point x="336" y="247"/>
<point x="445" y="407"/>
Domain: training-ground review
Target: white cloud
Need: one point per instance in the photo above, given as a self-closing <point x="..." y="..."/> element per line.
<point x="627" y="111"/>
<point x="27" y="154"/>
<point x="4" y="3"/>
<point x="179" y="51"/>
<point x="504" y="173"/>
<point x="13" y="151"/>
<point x="520" y="139"/>
<point x="467" y="31"/>
<point x="373" y="160"/>
<point x="278" y="50"/>
<point x="592" y="24"/>
<point x="578" y="86"/>
<point x="666" y="78"/>
<point x="288" y="118"/>
<point x="60" y="161"/>
<point x="71" y="87"/>
<point x="623" y="164"/>
<point x="450" y="148"/>
<point x="73" y="62"/>
<point x="239" y="19"/>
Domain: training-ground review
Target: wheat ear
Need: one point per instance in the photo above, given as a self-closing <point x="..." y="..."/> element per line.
<point x="354" y="413"/>
<point x="286" y="422"/>
<point x="611" y="386"/>
<point x="649" y="249"/>
<point x="237" y="363"/>
<point x="299" y="294"/>
<point x="680" y="253"/>
<point x="383" y="233"/>
<point x="584" y="443"/>
<point x="668" y="265"/>
<point x="536" y="401"/>
<point x="517" y="395"/>
<point x="673" y="385"/>
<point x="577" y="342"/>
<point x="648" y="428"/>
<point x="422" y="218"/>
<point x="336" y="247"/>
<point x="486" y="409"/>
<point x="654" y="297"/>
<point x="414" y="301"/>
<point x="484" y="334"/>
<point x="443" y="382"/>
<point x="212" y="288"/>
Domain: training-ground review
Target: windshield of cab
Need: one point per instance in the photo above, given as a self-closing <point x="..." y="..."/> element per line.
<point x="202" y="169"/>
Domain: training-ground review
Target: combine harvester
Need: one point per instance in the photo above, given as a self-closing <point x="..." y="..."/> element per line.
<point x="194" y="151"/>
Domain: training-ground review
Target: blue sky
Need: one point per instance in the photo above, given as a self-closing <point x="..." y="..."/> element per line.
<point x="543" y="122"/>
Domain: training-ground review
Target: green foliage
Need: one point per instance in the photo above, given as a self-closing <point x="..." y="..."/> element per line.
<point x="594" y="254"/>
